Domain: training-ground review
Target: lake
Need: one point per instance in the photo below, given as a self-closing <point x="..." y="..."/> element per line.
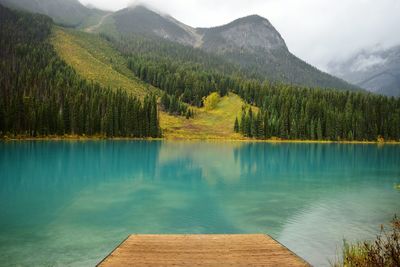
<point x="71" y="203"/>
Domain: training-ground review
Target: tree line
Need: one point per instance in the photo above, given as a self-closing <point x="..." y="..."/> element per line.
<point x="184" y="72"/>
<point x="286" y="111"/>
<point x="185" y="81"/>
<point x="40" y="95"/>
<point x="298" y="113"/>
<point x="172" y="105"/>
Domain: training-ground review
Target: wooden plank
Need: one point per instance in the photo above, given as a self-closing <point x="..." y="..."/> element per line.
<point x="201" y="250"/>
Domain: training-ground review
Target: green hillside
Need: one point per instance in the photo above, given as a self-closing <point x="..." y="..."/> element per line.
<point x="111" y="77"/>
<point x="287" y="112"/>
<point x="251" y="44"/>
<point x="144" y="21"/>
<point x="41" y="96"/>
<point x="207" y="124"/>
<point x="95" y="60"/>
<point x="70" y="13"/>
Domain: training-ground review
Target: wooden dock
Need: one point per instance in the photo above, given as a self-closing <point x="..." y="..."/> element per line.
<point x="201" y="250"/>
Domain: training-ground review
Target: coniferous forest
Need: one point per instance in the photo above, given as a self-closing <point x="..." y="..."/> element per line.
<point x="117" y="118"/>
<point x="289" y="112"/>
<point x="286" y="111"/>
<point x="40" y="95"/>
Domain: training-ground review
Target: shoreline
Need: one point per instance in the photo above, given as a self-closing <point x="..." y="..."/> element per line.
<point x="211" y="139"/>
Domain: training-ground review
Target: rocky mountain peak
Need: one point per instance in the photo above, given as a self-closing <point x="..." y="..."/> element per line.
<point x="250" y="33"/>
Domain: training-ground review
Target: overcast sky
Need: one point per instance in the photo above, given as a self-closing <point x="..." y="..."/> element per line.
<point x="318" y="31"/>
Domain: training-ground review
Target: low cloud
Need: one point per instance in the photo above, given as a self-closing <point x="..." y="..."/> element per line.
<point x="364" y="63"/>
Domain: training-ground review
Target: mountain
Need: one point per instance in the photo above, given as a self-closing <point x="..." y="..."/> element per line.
<point x="251" y="42"/>
<point x="53" y="99"/>
<point x="72" y="82"/>
<point x="378" y="71"/>
<point x="141" y="20"/>
<point x="65" y="12"/>
<point x="248" y="34"/>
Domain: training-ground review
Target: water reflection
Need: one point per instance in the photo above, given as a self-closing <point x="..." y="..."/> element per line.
<point x="83" y="198"/>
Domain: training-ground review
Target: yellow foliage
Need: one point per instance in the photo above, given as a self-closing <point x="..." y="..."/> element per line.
<point x="211" y="101"/>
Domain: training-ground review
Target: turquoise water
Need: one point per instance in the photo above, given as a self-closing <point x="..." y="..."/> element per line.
<point x="71" y="203"/>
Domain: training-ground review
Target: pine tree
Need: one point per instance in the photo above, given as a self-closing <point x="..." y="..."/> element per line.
<point x="236" y="126"/>
<point x="41" y="95"/>
<point x="165" y="101"/>
<point x="319" y="130"/>
<point x="312" y="130"/>
<point x="242" y="125"/>
<point x="259" y="126"/>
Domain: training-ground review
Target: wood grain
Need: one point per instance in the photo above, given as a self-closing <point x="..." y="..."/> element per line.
<point x="201" y="250"/>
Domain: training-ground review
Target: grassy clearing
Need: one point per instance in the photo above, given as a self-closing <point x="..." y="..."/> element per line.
<point x="207" y="124"/>
<point x="95" y="60"/>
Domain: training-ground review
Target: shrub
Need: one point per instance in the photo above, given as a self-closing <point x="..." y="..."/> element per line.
<point x="211" y="101"/>
<point x="384" y="251"/>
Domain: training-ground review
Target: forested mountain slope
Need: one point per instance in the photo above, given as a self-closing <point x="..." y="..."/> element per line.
<point x="286" y="111"/>
<point x="141" y="20"/>
<point x="94" y="59"/>
<point x="66" y="12"/>
<point x="40" y="95"/>
<point x="81" y="83"/>
<point x="251" y="43"/>
<point x="258" y="47"/>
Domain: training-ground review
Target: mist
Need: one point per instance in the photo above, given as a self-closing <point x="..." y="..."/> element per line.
<point x="318" y="31"/>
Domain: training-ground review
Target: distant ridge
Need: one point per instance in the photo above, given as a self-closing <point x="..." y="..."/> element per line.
<point x="66" y="12"/>
<point x="377" y="71"/>
<point x="252" y="42"/>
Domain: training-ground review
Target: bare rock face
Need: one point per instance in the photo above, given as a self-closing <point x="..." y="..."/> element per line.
<point x="251" y="42"/>
<point x="250" y="34"/>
